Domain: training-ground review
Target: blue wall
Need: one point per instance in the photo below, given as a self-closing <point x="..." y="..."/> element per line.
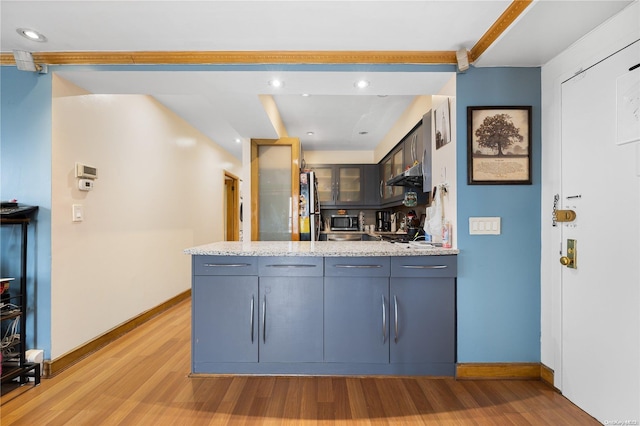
<point x="499" y="275"/>
<point x="25" y="170"/>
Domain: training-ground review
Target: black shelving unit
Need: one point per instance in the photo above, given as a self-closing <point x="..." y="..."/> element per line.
<point x="16" y="371"/>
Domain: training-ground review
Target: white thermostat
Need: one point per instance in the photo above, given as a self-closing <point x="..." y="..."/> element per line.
<point x="87" y="172"/>
<point x="85" y="184"/>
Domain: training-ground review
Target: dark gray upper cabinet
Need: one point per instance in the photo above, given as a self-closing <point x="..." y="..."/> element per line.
<point x="427" y="156"/>
<point x="371" y="185"/>
<point x="364" y="185"/>
<point x="413" y="146"/>
<point x="384" y="173"/>
<point x="347" y="185"/>
<point x="390" y="166"/>
<point x="339" y="185"/>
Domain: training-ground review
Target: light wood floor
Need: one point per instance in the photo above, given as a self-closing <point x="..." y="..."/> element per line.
<point x="142" y="379"/>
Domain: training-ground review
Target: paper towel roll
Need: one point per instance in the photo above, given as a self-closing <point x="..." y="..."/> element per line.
<point x="35" y="356"/>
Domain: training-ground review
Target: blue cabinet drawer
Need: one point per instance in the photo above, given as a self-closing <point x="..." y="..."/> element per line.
<point x="424" y="266"/>
<point x="357" y="266"/>
<point x="224" y="265"/>
<point x="303" y="266"/>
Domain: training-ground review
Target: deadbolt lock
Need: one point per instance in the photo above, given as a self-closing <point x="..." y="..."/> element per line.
<point x="565" y="215"/>
<point x="570" y="260"/>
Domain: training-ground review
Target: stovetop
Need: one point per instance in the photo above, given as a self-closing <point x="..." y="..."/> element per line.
<point x="404" y="238"/>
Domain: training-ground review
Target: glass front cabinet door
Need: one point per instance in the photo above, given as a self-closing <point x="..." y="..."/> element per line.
<point x="339" y="185"/>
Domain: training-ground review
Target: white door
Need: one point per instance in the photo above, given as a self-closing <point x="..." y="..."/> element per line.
<point x="600" y="300"/>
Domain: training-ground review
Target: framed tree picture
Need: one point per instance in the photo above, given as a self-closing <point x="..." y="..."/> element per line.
<point x="499" y="145"/>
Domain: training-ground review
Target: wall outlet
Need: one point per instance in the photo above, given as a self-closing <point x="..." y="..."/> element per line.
<point x="484" y="226"/>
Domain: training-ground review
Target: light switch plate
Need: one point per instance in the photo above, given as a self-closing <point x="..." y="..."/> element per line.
<point x="77" y="212"/>
<point x="484" y="226"/>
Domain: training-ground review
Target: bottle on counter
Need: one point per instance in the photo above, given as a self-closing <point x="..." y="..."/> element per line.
<point x="446" y="234"/>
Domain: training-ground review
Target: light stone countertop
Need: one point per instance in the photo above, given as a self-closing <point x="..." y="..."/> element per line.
<point x="317" y="248"/>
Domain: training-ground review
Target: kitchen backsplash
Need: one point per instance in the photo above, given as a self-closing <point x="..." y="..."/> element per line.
<point x="370" y="214"/>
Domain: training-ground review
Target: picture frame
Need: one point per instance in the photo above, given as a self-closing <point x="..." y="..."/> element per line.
<point x="499" y="145"/>
<point x="442" y="120"/>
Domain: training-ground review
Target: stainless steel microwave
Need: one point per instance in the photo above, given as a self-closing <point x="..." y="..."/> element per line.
<point x="344" y="222"/>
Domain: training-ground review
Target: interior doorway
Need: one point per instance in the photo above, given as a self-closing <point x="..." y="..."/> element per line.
<point x="275" y="189"/>
<point x="232" y="222"/>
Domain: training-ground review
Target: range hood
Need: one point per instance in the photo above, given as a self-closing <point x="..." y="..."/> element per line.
<point x="411" y="177"/>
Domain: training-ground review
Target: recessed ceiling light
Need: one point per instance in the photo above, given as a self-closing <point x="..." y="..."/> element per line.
<point x="306" y="95"/>
<point x="310" y="133"/>
<point x="238" y="140"/>
<point x="276" y="83"/>
<point x="362" y="84"/>
<point x="32" y="35"/>
<point x="382" y="96"/>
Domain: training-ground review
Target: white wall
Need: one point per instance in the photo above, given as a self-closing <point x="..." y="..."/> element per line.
<point x="338" y="157"/>
<point x="160" y="189"/>
<point x="444" y="159"/>
<point x="409" y="118"/>
<point x="613" y="35"/>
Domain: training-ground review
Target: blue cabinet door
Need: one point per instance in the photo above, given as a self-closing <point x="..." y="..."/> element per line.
<point x="290" y="319"/>
<point x="356" y="309"/>
<point x="423" y="320"/>
<point x="356" y="319"/>
<point x="225" y="321"/>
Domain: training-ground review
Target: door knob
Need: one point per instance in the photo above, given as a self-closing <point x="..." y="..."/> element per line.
<point x="566" y="261"/>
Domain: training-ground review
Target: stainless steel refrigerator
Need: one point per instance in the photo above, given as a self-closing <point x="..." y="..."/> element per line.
<point x="309" y="207"/>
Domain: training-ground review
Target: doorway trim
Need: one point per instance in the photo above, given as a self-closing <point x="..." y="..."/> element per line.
<point x="232" y="206"/>
<point x="295" y="184"/>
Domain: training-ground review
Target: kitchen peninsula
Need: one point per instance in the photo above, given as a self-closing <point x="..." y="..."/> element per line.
<point x="346" y="308"/>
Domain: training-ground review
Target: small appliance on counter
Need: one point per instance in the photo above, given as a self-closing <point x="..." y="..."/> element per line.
<point x="344" y="222"/>
<point x="383" y="221"/>
<point x="413" y="229"/>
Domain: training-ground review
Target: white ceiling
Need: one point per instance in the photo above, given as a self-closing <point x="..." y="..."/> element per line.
<point x="224" y="105"/>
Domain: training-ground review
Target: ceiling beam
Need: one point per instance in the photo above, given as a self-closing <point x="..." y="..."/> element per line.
<point x="238" y="57"/>
<point x="507" y="18"/>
